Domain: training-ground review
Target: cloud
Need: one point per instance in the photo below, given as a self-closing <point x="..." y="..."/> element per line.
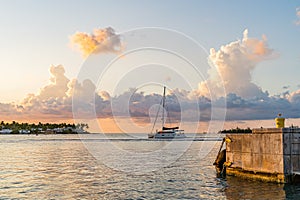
<point x="286" y="87"/>
<point x="182" y="108"/>
<point x="83" y="99"/>
<point x="58" y="99"/>
<point x="55" y="100"/>
<point x="234" y="62"/>
<point x="104" y="95"/>
<point x="62" y="97"/>
<point x="100" y="41"/>
<point x="51" y="99"/>
<point x="295" y="97"/>
<point x="298" y="16"/>
<point x="57" y="87"/>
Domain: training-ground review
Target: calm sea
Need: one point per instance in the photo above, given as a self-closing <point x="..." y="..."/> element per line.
<point x="120" y="167"/>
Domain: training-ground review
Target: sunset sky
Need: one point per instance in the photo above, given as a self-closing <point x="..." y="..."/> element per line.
<point x="40" y="40"/>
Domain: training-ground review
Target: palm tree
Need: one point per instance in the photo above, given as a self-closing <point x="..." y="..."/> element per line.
<point x="2" y="124"/>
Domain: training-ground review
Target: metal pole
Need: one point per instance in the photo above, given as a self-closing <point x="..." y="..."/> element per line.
<point x="163" y="114"/>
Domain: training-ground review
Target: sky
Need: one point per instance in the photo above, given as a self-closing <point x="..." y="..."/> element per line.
<point x="38" y="42"/>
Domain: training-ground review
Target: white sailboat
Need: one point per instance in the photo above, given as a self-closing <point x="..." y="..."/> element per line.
<point x="166" y="132"/>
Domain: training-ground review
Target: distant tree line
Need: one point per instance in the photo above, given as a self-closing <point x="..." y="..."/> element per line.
<point x="42" y="127"/>
<point x="237" y="130"/>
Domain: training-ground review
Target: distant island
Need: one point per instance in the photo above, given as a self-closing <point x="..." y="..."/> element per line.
<point x="42" y="128"/>
<point x="236" y="130"/>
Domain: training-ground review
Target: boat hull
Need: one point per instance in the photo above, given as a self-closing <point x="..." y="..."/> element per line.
<point x="168" y="135"/>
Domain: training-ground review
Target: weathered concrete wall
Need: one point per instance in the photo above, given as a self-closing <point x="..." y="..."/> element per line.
<point x="271" y="154"/>
<point x="291" y="149"/>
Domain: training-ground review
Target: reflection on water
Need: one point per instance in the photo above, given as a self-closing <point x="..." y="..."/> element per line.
<point x="60" y="167"/>
<point x="247" y="189"/>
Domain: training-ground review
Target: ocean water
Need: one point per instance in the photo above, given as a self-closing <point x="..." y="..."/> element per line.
<point x="121" y="167"/>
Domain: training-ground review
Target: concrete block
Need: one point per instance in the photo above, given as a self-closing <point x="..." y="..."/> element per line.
<point x="265" y="142"/>
<point x="229" y="156"/>
<point x="247" y="141"/>
<point x="296" y="137"/>
<point x="256" y="145"/>
<point x="267" y="166"/>
<point x="295" y="163"/>
<point x="257" y="162"/>
<point x="295" y="149"/>
<point x="287" y="164"/>
<point x="286" y="144"/>
<point x="267" y="130"/>
<point x="247" y="161"/>
<point x="237" y="160"/>
<point x="276" y="144"/>
<point x="267" y="153"/>
<point x="272" y="163"/>
<point x="236" y="144"/>
<point x="277" y="161"/>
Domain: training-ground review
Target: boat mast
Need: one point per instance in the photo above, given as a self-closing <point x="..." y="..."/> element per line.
<point x="163" y="113"/>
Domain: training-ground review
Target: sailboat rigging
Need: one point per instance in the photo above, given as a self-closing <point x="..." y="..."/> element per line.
<point x="166" y="132"/>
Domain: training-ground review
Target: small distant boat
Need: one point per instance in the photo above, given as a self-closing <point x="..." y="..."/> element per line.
<point x="166" y="132"/>
<point x="5" y="131"/>
<point x="24" y="131"/>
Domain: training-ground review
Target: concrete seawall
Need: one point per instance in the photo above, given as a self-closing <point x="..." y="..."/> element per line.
<point x="268" y="154"/>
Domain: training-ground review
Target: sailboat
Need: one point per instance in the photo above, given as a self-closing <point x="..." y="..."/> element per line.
<point x="166" y="132"/>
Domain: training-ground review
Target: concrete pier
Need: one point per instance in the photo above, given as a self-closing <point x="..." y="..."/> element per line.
<point x="268" y="154"/>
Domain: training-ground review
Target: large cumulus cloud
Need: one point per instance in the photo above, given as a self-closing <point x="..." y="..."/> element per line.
<point x="57" y="100"/>
<point x="234" y="62"/>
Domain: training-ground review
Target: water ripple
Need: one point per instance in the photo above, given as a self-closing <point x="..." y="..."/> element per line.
<point x="60" y="167"/>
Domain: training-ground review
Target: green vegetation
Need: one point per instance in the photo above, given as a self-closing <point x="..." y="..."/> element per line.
<point x="236" y="130"/>
<point x="47" y="128"/>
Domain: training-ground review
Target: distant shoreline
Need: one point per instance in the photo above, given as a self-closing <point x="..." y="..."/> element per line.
<point x="41" y="128"/>
<point x="74" y="133"/>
